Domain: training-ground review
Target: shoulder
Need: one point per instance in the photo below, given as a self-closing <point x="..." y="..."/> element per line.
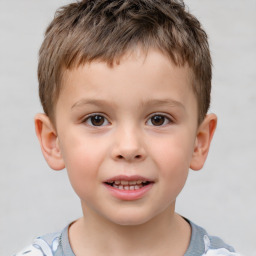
<point x="204" y="244"/>
<point x="214" y="246"/>
<point x="46" y="245"/>
<point x="209" y="241"/>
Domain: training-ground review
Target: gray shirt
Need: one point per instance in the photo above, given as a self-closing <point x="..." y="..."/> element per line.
<point x="57" y="244"/>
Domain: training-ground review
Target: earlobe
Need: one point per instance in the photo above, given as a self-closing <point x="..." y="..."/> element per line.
<point x="203" y="140"/>
<point x="49" y="143"/>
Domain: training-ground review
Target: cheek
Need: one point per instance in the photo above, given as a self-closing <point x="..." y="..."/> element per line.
<point x="82" y="160"/>
<point x="172" y="157"/>
<point x="81" y="171"/>
<point x="173" y="153"/>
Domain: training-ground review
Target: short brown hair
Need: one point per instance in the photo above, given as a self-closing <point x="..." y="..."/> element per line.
<point x="105" y="30"/>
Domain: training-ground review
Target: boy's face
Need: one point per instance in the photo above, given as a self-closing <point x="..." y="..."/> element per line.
<point x="127" y="135"/>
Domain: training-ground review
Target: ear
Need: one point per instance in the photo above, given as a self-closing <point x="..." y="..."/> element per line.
<point x="204" y="136"/>
<point x="49" y="143"/>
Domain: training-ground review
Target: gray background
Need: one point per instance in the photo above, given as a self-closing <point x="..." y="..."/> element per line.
<point x="35" y="200"/>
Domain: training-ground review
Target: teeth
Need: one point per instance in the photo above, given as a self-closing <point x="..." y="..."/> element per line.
<point x="128" y="185"/>
<point x="126" y="182"/>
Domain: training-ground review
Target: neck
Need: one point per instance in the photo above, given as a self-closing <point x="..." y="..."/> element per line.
<point x="167" y="233"/>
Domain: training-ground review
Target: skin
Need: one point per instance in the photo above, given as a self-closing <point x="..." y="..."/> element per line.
<point x="127" y="142"/>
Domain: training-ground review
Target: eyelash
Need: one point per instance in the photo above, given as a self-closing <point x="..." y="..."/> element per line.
<point x="88" y="120"/>
<point x="167" y="119"/>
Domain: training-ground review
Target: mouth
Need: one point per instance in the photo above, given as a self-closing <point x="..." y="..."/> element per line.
<point x="129" y="188"/>
<point x="128" y="184"/>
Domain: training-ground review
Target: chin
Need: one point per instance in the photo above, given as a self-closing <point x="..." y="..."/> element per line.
<point x="130" y="219"/>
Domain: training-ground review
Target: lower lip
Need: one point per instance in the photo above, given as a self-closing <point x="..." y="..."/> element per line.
<point x="129" y="195"/>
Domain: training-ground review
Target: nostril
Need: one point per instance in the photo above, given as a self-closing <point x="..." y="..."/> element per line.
<point x="123" y="157"/>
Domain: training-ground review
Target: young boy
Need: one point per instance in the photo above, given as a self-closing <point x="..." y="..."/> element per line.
<point x="125" y="86"/>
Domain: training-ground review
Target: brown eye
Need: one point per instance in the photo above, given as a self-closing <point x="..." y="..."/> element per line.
<point x="158" y="120"/>
<point x="97" y="120"/>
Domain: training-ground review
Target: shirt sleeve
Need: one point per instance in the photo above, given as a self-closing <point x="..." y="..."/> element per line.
<point x="41" y="247"/>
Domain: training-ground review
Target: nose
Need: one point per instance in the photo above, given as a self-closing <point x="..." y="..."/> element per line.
<point x="128" y="145"/>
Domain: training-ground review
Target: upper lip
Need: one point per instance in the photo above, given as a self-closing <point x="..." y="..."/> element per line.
<point x="128" y="178"/>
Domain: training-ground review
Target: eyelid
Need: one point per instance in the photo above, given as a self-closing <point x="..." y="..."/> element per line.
<point x="87" y="117"/>
<point x="167" y="116"/>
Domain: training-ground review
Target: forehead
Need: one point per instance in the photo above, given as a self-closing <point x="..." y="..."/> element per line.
<point x="137" y="75"/>
<point x="133" y="61"/>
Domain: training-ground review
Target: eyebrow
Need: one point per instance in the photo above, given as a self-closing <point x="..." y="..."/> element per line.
<point x="148" y="102"/>
<point x="162" y="102"/>
<point x="95" y="102"/>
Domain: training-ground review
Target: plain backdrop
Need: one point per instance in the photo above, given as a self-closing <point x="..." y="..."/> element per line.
<point x="35" y="200"/>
